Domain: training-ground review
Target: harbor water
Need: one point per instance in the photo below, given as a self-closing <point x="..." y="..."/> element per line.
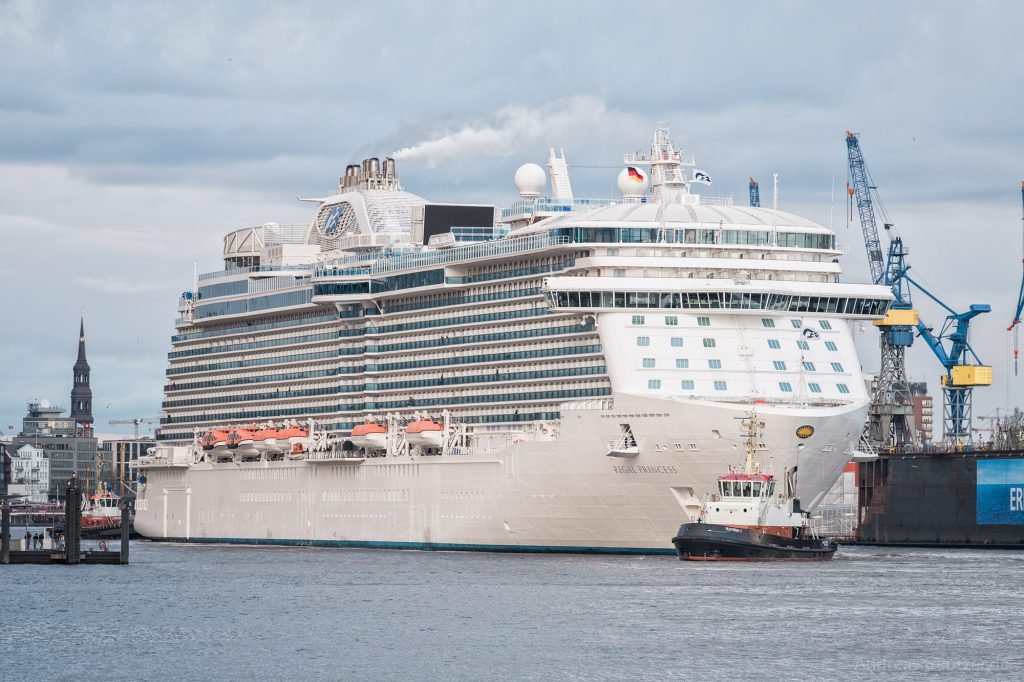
<point x="195" y="612"/>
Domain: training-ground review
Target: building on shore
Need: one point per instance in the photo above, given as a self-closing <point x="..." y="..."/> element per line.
<point x="30" y="474"/>
<point x="922" y="403"/>
<point x="67" y="443"/>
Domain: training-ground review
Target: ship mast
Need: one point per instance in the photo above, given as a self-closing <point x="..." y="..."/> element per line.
<point x="752" y="428"/>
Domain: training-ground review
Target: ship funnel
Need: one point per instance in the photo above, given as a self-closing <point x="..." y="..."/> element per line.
<point x="374" y="168"/>
<point x="389" y="168"/>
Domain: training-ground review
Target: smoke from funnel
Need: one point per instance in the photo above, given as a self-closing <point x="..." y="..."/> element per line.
<point x="515" y="128"/>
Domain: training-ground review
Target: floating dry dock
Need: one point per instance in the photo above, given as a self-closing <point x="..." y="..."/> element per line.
<point x="943" y="499"/>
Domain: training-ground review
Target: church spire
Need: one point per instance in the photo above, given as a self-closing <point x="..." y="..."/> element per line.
<point x="81" y="394"/>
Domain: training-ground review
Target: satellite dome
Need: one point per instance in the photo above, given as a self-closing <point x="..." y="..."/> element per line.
<point x="44" y="403"/>
<point x="632" y="182"/>
<point x="530" y="180"/>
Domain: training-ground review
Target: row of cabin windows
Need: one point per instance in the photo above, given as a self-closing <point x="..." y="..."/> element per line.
<point x="709" y="342"/>
<point x="671" y="320"/>
<point x="784" y="386"/>
<point x="684" y="363"/>
<point x="769" y="323"/>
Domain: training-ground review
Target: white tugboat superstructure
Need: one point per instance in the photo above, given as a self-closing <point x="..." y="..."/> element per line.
<point x="565" y="379"/>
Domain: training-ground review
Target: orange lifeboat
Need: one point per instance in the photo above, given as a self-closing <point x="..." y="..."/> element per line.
<point x="213" y="438"/>
<point x="265" y="440"/>
<point x="242" y="441"/>
<point x="426" y="432"/>
<point x="370" y="435"/>
<point x="293" y="440"/>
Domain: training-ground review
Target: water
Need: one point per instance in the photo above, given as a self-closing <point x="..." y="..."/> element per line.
<point x="211" y="612"/>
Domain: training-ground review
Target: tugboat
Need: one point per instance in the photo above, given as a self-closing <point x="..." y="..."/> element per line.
<point x="745" y="521"/>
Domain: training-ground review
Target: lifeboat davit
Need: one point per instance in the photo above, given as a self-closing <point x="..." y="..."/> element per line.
<point x="426" y="432"/>
<point x="370" y="435"/>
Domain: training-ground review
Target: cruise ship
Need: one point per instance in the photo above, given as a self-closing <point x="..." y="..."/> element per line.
<point x="561" y="375"/>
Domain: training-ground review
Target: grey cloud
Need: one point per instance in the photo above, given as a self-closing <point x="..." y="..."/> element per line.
<point x="132" y="135"/>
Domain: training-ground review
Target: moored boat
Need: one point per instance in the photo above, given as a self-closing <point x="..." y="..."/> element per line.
<point x="101" y="512"/>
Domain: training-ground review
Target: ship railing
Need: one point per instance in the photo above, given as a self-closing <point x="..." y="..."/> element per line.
<point x="497" y="247"/>
<point x="334" y="456"/>
<point x="532" y="206"/>
<point x="838" y="521"/>
<point x="251" y="269"/>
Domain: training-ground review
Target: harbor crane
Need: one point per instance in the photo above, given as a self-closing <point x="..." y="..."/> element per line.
<point x="891" y="408"/>
<point x="1015" y="325"/>
<point x="135" y="422"/>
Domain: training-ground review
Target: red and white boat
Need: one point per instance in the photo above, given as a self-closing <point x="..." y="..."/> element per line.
<point x="241" y="440"/>
<point x="370" y="435"/>
<point x="101" y="512"/>
<point x="747" y="521"/>
<point x="425" y="432"/>
<point x="215" y="441"/>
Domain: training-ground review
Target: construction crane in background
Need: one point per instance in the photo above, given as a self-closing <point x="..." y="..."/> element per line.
<point x="891" y="408"/>
<point x="135" y="422"/>
<point x="1015" y="325"/>
<point x="755" y="194"/>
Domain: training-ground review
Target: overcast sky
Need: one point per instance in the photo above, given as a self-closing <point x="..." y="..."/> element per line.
<point x="134" y="135"/>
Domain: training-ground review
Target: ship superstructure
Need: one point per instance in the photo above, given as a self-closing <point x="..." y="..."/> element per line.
<point x="563" y="377"/>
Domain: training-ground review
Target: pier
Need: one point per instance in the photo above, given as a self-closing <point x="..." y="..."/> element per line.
<point x="70" y="550"/>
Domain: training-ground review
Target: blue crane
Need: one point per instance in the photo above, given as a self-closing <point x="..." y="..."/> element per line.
<point x="962" y="368"/>
<point x="1014" y="326"/>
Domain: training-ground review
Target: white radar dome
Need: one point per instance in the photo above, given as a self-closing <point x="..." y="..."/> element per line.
<point x="632" y="182"/>
<point x="530" y="180"/>
<point x="44" y="403"/>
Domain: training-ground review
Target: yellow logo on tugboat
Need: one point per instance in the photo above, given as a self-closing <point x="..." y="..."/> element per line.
<point x="805" y="431"/>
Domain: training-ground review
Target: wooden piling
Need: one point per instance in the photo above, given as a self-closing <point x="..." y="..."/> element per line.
<point x="72" y="522"/>
<point x="125" y="531"/>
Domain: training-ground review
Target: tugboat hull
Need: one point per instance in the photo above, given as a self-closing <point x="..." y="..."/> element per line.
<point x="713" y="542"/>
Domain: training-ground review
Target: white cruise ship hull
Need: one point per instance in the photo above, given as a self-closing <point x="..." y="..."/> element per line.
<point x="566" y="494"/>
